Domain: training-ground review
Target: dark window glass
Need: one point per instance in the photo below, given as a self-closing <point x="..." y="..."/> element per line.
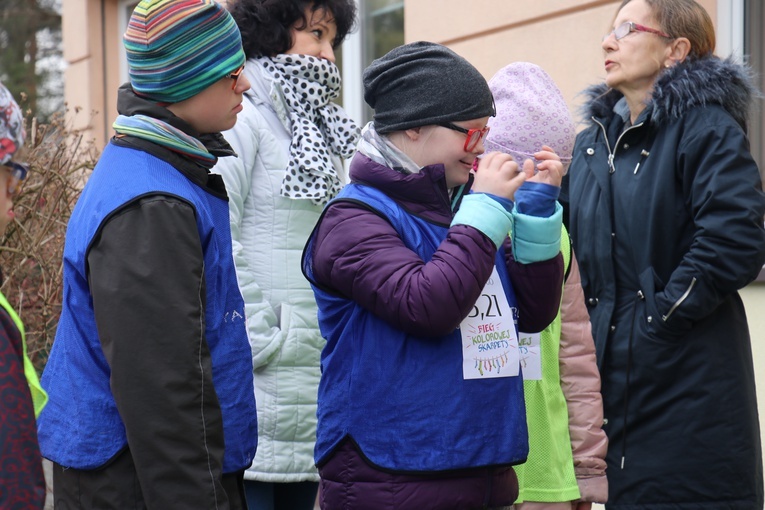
<point x="382" y="29"/>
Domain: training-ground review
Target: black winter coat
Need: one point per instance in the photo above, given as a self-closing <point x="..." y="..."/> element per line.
<point x="666" y="217"/>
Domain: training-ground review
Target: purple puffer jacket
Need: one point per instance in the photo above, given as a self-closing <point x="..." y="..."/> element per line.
<point x="371" y="265"/>
<point x="461" y="489"/>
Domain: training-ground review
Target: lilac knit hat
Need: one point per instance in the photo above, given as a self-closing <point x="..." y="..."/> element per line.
<point x="11" y="126"/>
<point x="531" y="113"/>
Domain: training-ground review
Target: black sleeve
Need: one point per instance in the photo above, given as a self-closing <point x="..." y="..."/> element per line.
<point x="146" y="276"/>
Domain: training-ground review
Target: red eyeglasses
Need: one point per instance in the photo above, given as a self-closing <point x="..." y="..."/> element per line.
<point x="628" y="27"/>
<point x="234" y="75"/>
<point x="474" y="136"/>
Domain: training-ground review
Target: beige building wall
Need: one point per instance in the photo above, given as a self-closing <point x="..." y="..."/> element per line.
<point x="754" y="301"/>
<point x="91" y="37"/>
<point x="561" y="36"/>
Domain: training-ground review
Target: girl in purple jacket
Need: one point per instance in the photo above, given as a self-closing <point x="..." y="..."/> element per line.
<point x="423" y="270"/>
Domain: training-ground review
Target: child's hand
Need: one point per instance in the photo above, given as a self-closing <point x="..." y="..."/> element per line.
<point x="549" y="166"/>
<point x="499" y="175"/>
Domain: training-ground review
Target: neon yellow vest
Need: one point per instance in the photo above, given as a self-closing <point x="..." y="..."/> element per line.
<point x="548" y="474"/>
<point x="39" y="397"/>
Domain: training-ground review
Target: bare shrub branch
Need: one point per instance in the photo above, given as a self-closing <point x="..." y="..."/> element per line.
<point x="31" y="253"/>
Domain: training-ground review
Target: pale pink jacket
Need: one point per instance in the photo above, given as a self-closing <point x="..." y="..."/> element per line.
<point x="580" y="381"/>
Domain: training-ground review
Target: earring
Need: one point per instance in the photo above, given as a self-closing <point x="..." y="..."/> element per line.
<point x="667" y="66"/>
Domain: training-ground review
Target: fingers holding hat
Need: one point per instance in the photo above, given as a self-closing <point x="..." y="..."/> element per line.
<point x="498" y="174"/>
<point x="549" y="166"/>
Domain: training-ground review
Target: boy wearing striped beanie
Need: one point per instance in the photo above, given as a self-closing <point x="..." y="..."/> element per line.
<point x="150" y="377"/>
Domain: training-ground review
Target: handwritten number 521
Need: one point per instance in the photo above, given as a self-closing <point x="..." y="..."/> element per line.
<point x="492" y="304"/>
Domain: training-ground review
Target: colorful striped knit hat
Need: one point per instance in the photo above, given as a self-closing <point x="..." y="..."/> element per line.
<point x="178" y="48"/>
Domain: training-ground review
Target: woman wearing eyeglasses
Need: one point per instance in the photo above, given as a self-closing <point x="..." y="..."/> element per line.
<point x="22" y="484"/>
<point x="666" y="213"/>
<point x="290" y="138"/>
<point x="419" y="287"/>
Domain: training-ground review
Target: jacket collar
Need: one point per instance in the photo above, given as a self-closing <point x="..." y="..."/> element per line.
<point x="264" y="89"/>
<point x="423" y="194"/>
<point x="693" y="83"/>
<point x="129" y="103"/>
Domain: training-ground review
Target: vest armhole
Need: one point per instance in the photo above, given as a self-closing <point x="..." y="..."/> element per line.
<point x="124" y="207"/>
<point x="306" y="261"/>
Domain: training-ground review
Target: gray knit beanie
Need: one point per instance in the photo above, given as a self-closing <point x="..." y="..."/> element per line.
<point x="423" y="83"/>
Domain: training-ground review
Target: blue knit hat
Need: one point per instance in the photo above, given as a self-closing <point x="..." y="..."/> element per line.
<point x="178" y="48"/>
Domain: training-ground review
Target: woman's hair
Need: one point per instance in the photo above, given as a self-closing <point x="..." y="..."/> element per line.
<point x="684" y="18"/>
<point x="266" y="25"/>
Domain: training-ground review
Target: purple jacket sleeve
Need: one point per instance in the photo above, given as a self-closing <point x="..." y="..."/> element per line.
<point x="358" y="254"/>
<point x="537" y="287"/>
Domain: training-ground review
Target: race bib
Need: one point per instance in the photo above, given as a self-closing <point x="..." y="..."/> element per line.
<point x="530" y="351"/>
<point x="489" y="340"/>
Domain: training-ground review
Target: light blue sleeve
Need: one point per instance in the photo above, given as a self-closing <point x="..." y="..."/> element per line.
<point x="489" y="216"/>
<point x="536" y="239"/>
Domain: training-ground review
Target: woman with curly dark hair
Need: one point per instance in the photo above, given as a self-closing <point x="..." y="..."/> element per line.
<point x="290" y="139"/>
<point x="267" y="25"/>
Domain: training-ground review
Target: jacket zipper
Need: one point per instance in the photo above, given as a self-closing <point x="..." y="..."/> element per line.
<point x="679" y="302"/>
<point x="612" y="169"/>
<point x="612" y="154"/>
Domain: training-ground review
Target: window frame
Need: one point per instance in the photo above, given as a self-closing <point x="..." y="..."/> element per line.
<point x="354" y="55"/>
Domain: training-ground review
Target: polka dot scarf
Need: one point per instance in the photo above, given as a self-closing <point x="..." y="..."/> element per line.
<point x="319" y="127"/>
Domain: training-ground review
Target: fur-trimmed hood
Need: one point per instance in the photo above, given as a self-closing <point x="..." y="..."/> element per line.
<point x="697" y="82"/>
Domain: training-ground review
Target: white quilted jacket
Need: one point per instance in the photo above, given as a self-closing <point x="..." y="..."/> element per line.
<point x="269" y="232"/>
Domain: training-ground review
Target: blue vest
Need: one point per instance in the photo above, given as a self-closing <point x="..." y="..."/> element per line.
<point x="403" y="398"/>
<point x="81" y="427"/>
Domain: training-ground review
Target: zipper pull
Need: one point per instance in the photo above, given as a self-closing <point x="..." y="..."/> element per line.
<point x="644" y="153"/>
<point x="611" y="163"/>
